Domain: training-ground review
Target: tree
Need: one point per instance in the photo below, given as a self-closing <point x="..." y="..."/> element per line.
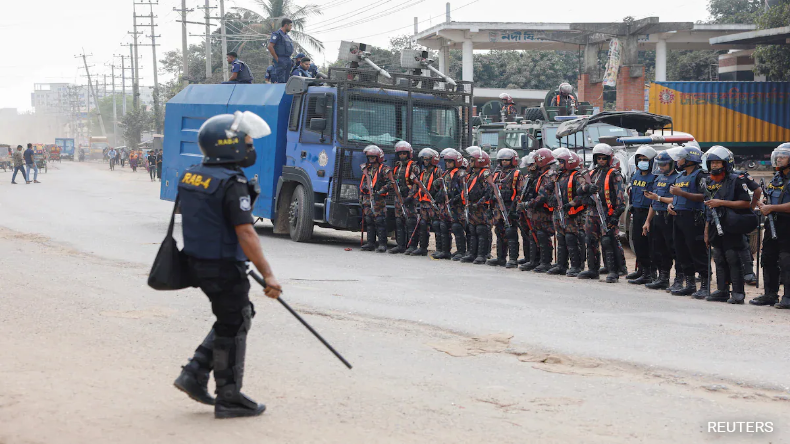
<point x="734" y="11"/>
<point x="105" y="106"/>
<point x="773" y="61"/>
<point x="134" y="123"/>
<point x="268" y="21"/>
<point x="519" y="69"/>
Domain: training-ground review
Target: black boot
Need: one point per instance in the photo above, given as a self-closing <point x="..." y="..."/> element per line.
<point x="784" y="303"/>
<point x="561" y="267"/>
<point x="661" y="282"/>
<point x="722" y="292"/>
<point x="447" y="242"/>
<point x="400" y="236"/>
<point x="704" y="289"/>
<point x="460" y="241"/>
<point x="512" y="247"/>
<point x="545" y="252"/>
<point x="423" y="238"/>
<point x="638" y="273"/>
<point x="370" y="228"/>
<point x="648" y="276"/>
<point x="194" y="376"/>
<point x="483" y="233"/>
<point x="677" y="284"/>
<point x="534" y="254"/>
<point x="229" y="374"/>
<point x="736" y="276"/>
<point x="412" y="237"/>
<point x="620" y="258"/>
<point x="574" y="255"/>
<point x="437" y="238"/>
<point x="765" y="299"/>
<point x="501" y="252"/>
<point x="381" y="232"/>
<point x="593" y="264"/>
<point x="689" y="288"/>
<point x="611" y="263"/>
<point x="471" y="246"/>
<point x="745" y="258"/>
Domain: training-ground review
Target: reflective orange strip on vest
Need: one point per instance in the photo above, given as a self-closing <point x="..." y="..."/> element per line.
<point x="537" y="187"/>
<point x="608" y="194"/>
<point x="452" y="176"/>
<point x="373" y="181"/>
<point x="422" y="196"/>
<point x="580" y="208"/>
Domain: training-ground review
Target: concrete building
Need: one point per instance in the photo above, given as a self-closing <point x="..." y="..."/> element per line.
<point x="645" y="34"/>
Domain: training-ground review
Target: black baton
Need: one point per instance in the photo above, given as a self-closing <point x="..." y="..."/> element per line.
<point x="260" y="280"/>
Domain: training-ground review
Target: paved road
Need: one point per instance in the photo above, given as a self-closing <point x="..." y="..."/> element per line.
<point x="442" y="351"/>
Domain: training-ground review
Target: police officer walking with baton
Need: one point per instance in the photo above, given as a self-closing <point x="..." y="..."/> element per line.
<point x="216" y="201"/>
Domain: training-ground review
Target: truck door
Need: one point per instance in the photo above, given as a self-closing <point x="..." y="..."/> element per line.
<point x="314" y="154"/>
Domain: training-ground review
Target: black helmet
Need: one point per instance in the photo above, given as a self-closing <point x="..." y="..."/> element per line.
<point x="719" y="153"/>
<point x="222" y="138"/>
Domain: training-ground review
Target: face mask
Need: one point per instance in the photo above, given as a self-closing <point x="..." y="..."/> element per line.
<point x="643" y="165"/>
<point x="249" y="159"/>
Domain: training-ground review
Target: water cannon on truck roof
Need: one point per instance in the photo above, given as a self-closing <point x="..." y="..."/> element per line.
<point x="309" y="167"/>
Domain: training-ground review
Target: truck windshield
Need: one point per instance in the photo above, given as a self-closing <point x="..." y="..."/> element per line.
<point x="489" y="139"/>
<point x="375" y="122"/>
<point x="435" y="127"/>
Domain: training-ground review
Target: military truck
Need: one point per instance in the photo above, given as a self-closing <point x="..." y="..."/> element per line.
<point x="309" y="168"/>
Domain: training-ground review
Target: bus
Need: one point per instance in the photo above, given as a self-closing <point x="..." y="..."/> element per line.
<point x="97" y="147"/>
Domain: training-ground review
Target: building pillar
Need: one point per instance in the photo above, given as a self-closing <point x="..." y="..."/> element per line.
<point x="661" y="60"/>
<point x="590" y="88"/>
<point x="442" y="61"/>
<point x="468" y="61"/>
<point x="630" y="78"/>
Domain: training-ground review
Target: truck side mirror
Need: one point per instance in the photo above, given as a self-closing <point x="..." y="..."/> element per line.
<point x="320" y="106"/>
<point x="317" y="124"/>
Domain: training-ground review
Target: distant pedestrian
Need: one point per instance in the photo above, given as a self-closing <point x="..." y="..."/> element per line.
<point x="152" y="165"/>
<point x="159" y="165"/>
<point x="30" y="163"/>
<point x="111" y="157"/>
<point x="133" y="161"/>
<point x="19" y="165"/>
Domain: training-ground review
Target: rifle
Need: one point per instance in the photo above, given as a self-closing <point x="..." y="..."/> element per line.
<point x="465" y="191"/>
<point x="500" y="203"/>
<point x="770" y="217"/>
<point x="598" y="205"/>
<point x="428" y="193"/>
<point x="446" y="197"/>
<point x="713" y="211"/>
<point x="558" y="196"/>
<point x="370" y="193"/>
<point x="398" y="194"/>
<point x="759" y="246"/>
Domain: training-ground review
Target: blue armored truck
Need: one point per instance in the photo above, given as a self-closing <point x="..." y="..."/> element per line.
<point x="309" y="168"/>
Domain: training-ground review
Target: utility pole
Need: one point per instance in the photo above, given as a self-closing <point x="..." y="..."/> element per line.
<point x="207" y="9"/>
<point x="153" y="36"/>
<point x="135" y="63"/>
<point x="134" y="66"/>
<point x="93" y="92"/>
<point x="224" y="40"/>
<point x="105" y="87"/>
<point x="114" y="108"/>
<point x="184" y="46"/>
<point x="123" y="84"/>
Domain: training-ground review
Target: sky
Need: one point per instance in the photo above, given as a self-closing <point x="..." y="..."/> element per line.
<point x="42" y="37"/>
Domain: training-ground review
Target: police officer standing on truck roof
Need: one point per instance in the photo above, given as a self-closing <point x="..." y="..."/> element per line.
<point x="687" y="207"/>
<point x="660" y="223"/>
<point x="281" y="47"/>
<point x="729" y="199"/>
<point x="642" y="182"/>
<point x="216" y="201"/>
<point x="776" y="252"/>
<point x="239" y="72"/>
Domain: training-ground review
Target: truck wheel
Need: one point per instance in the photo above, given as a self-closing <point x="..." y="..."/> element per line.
<point x="300" y="222"/>
<point x="533" y="114"/>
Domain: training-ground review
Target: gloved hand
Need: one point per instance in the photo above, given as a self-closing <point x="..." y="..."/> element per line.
<point x="522" y="206"/>
<point x="612" y="222"/>
<point x="567" y="206"/>
<point x="408" y="201"/>
<point x="593" y="188"/>
<point x="457" y="200"/>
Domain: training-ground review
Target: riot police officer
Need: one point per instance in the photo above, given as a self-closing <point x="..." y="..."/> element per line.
<point x="216" y="201"/>
<point x="478" y="194"/>
<point x="374" y="188"/>
<point x="455" y="180"/>
<point x="569" y="188"/>
<point x="528" y="235"/>
<point x="507" y="180"/>
<point x="539" y="207"/>
<point x="281" y="47"/>
<point x="776" y="251"/>
<point x="607" y="184"/>
<point x="429" y="193"/>
<point x="239" y="72"/>
<point x="687" y="207"/>
<point x="659" y="223"/>
<point x="405" y="173"/>
<point x="642" y="182"/>
<point x="730" y="201"/>
<point x="565" y="100"/>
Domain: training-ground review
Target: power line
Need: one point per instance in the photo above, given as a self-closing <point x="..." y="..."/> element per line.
<point x="420" y="22"/>
<point x="369" y="18"/>
<point x="342" y="17"/>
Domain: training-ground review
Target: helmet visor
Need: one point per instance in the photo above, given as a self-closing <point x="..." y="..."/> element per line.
<point x="250" y="124"/>
<point x="780" y="154"/>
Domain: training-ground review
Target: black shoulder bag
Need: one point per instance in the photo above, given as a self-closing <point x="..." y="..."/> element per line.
<point x="170" y="270"/>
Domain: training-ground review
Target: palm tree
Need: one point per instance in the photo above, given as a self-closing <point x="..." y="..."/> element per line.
<point x="268" y="21"/>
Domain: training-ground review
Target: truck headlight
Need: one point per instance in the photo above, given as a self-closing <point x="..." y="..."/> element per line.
<point x="349" y="192"/>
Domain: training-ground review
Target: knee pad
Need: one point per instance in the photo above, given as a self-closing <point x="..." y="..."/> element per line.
<point x="784" y="262"/>
<point x="369" y="220"/>
<point x="246" y="315"/>
<point x="457" y="227"/>
<point x="718" y="254"/>
<point x="436" y="226"/>
<point x="511" y="233"/>
<point x="381" y="222"/>
<point x="481" y="230"/>
<point x="607" y="243"/>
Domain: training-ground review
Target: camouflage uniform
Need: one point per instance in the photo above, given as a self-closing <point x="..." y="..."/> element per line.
<point x="614" y="204"/>
<point x="526" y="223"/>
<point x="405" y="174"/>
<point x="429" y="177"/>
<point x="570" y="237"/>
<point x="542" y="217"/>
<point x="509" y="182"/>
<point x="455" y="182"/>
<point x="479" y="231"/>
<point x="375" y="218"/>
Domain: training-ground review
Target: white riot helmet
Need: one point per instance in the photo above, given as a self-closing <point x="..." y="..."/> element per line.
<point x="602" y="149"/>
<point x="645" y="165"/>
<point x="566" y="88"/>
